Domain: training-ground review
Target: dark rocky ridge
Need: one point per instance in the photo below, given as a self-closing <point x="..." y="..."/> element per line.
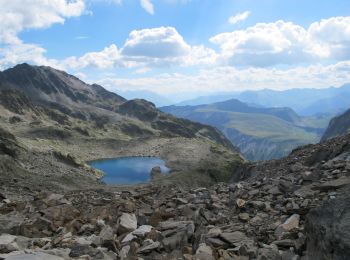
<point x="338" y="125"/>
<point x="27" y="87"/>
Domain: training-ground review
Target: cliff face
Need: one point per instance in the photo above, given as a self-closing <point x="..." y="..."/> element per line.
<point x="338" y="125"/>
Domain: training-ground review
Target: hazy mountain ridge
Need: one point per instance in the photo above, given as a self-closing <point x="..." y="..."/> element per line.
<point x="260" y="133"/>
<point x="305" y="101"/>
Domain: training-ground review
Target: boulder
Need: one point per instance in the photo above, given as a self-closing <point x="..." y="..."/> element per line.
<point x="148" y="248"/>
<point x="106" y="234"/>
<point x="127" y="223"/>
<point x="8" y="243"/>
<point x="240" y="203"/>
<point x="236" y="238"/>
<point x="333" y="184"/>
<point x="176" y="234"/>
<point x="290" y="224"/>
<point x="204" y="252"/>
<point x="328" y="229"/>
<point x="141" y="231"/>
<point x="244" y="217"/>
<point x="156" y="173"/>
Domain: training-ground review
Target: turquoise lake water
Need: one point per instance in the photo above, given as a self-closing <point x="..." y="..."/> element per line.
<point x="128" y="170"/>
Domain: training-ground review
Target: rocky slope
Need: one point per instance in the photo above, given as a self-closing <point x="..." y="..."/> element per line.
<point x="64" y="98"/>
<point x="338" y="125"/>
<point x="293" y="208"/>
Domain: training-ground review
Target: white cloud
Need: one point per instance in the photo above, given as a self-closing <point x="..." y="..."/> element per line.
<point x="159" y="47"/>
<point x="18" y="15"/>
<point x="239" y="17"/>
<point x="264" y="44"/>
<point x="267" y="44"/>
<point x="159" y="42"/>
<point x="20" y="53"/>
<point x="331" y="37"/>
<point x="233" y="79"/>
<point x="148" y="6"/>
<point x="107" y="58"/>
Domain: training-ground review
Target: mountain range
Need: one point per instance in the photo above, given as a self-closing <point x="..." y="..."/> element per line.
<point x="305" y="102"/>
<point x="260" y="133"/>
<point x="50" y="110"/>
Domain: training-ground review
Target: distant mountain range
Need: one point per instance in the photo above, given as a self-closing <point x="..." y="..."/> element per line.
<point x="305" y="102"/>
<point x="260" y="133"/>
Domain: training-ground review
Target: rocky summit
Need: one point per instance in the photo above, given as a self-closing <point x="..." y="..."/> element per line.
<point x="213" y="205"/>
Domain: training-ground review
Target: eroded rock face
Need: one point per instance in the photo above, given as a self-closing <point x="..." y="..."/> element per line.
<point x="328" y="229"/>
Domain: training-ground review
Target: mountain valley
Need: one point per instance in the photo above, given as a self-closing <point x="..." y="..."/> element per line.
<point x="213" y="205"/>
<point x="260" y="133"/>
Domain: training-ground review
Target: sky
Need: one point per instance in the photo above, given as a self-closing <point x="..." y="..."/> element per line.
<point x="182" y="48"/>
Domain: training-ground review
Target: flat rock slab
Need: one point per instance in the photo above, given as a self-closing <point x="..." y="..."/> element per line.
<point x="235" y="238"/>
<point x="334" y="184"/>
<point x="30" y="256"/>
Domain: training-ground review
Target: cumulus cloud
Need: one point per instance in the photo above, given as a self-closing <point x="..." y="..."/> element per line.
<point x="158" y="47"/>
<point x="18" y="15"/>
<point x="107" y="58"/>
<point x="331" y="37"/>
<point x="20" y="53"/>
<point x="155" y="43"/>
<point x="239" y="17"/>
<point x="233" y="79"/>
<point x="267" y="44"/>
<point x="264" y="44"/>
<point x="147" y="5"/>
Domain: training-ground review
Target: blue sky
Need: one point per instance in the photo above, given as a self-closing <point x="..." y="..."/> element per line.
<point x="182" y="47"/>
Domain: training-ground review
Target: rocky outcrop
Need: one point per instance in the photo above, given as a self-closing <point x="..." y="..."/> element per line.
<point x="328" y="229"/>
<point x="337" y="126"/>
<point x="156" y="173"/>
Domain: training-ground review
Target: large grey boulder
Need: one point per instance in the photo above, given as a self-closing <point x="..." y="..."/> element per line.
<point x="127" y="223"/>
<point x="156" y="173"/>
<point x="328" y="229"/>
